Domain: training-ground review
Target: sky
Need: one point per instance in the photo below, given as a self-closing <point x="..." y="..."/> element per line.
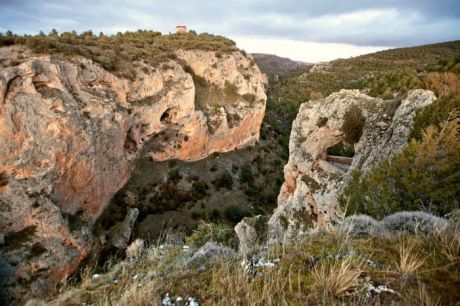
<point x="303" y="30"/>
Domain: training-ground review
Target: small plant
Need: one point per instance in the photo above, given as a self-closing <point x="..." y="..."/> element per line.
<point x="174" y="176"/>
<point x="409" y="261"/>
<point x="336" y="279"/>
<point x="224" y="180"/>
<point x="450" y="245"/>
<point x="200" y="188"/>
<point x="246" y="174"/>
<point x="218" y="233"/>
<point x="444" y="84"/>
<point x="353" y="125"/>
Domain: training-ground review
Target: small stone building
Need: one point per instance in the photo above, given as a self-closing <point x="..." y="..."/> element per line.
<point x="181" y="29"/>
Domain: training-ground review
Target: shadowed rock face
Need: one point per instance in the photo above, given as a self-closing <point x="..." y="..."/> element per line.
<point x="313" y="180"/>
<point x="69" y="132"/>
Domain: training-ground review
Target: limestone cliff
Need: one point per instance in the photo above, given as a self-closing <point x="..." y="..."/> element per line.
<point x="69" y="132"/>
<point x="314" y="179"/>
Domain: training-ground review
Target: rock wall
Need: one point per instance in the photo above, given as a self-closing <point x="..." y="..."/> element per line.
<point x="69" y="132"/>
<point x="313" y="179"/>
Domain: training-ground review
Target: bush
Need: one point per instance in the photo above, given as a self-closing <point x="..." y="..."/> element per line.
<point x="362" y="226"/>
<point x="424" y="176"/>
<point x="219" y="233"/>
<point x="444" y="84"/>
<point x="200" y="188"/>
<point x="414" y="222"/>
<point x="353" y="125"/>
<point x="435" y="114"/>
<point x="224" y="180"/>
<point x="236" y="213"/>
<point x="174" y="176"/>
<point x="246" y="174"/>
<point x="117" y="53"/>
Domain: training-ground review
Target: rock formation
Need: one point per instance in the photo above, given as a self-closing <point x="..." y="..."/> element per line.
<point x="69" y="132"/>
<point x="314" y="180"/>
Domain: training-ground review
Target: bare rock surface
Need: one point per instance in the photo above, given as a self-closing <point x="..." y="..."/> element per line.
<point x="251" y="232"/>
<point x="70" y="131"/>
<point x="313" y="179"/>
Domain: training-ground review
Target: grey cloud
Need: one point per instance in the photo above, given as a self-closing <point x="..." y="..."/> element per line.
<point x="408" y="23"/>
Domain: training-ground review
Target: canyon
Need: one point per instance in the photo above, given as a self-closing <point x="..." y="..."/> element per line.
<point x="71" y="131"/>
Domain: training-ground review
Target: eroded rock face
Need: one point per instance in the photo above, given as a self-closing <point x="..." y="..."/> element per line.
<point x="69" y="132"/>
<point x="314" y="180"/>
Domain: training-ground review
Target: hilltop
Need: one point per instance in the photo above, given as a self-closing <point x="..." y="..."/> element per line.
<point x="273" y="64"/>
<point x="387" y="74"/>
<point x="120" y="53"/>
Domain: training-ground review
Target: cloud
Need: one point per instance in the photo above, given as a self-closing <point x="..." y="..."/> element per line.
<point x="362" y="23"/>
<point x="310" y="52"/>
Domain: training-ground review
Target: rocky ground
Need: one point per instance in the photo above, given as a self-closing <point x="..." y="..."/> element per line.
<point x="405" y="259"/>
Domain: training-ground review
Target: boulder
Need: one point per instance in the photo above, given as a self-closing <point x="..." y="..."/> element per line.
<point x="251" y="232"/>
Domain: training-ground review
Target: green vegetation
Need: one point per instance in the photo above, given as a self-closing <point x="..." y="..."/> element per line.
<point x="353" y="125"/>
<point x="438" y="112"/>
<point x="341" y="149"/>
<point x="424" y="176"/>
<point x="122" y="52"/>
<point x="224" y="180"/>
<point x="246" y="174"/>
<point x="386" y="74"/>
<point x="321" y="269"/>
<point x="216" y="232"/>
<point x="236" y="213"/>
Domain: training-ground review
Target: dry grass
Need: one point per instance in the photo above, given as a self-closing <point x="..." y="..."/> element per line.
<point x="323" y="269"/>
<point x="450" y="245"/>
<point x="409" y="260"/>
<point x="337" y="278"/>
<point x="419" y="295"/>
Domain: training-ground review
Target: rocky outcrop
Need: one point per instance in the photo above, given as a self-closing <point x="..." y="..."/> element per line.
<point x="314" y="179"/>
<point x="121" y="233"/>
<point x="251" y="232"/>
<point x="70" y="131"/>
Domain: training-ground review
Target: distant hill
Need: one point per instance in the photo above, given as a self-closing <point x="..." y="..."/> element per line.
<point x="386" y="74"/>
<point x="273" y="64"/>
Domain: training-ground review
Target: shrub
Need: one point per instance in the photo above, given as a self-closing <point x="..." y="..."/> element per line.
<point x="424" y="176"/>
<point x="353" y="125"/>
<point x="224" y="180"/>
<point x="444" y="84"/>
<point x="200" y="188"/>
<point x="246" y="174"/>
<point x="236" y="213"/>
<point x="337" y="278"/>
<point x="174" y="175"/>
<point x="414" y="222"/>
<point x="214" y="215"/>
<point x="362" y="226"/>
<point x="118" y="52"/>
<point x="439" y="111"/>
<point x="219" y="233"/>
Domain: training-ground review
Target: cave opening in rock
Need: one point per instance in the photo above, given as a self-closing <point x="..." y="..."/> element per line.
<point x="340" y="155"/>
<point x="169" y="116"/>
